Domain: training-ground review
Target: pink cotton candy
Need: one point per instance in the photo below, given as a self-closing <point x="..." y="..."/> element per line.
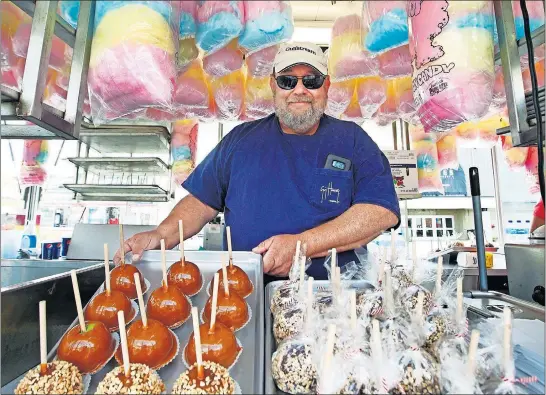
<point x="395" y="62"/>
<point x="376" y="9"/>
<point x="515" y="157"/>
<point x="371" y="92"/>
<point x="224" y="61"/>
<point x="535" y="8"/>
<point x="260" y="63"/>
<point x="255" y="9"/>
<point x="339" y="97"/>
<point x="130" y="77"/>
<point x="447" y="152"/>
<point x="59" y="50"/>
<point x="191" y="88"/>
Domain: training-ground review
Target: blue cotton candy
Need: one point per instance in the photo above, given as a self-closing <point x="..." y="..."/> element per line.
<point x="181" y="153"/>
<point x="69" y="10"/>
<point x="105" y="6"/>
<point x="533" y="24"/>
<point x="218" y="31"/>
<point x="389" y="31"/>
<point x="188" y="27"/>
<point x="426" y="161"/>
<point x="272" y="28"/>
<point x="477" y="20"/>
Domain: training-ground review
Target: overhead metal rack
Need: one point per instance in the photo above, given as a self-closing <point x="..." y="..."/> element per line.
<point x="121" y="165"/>
<point x="126" y="193"/>
<point x="521" y="113"/>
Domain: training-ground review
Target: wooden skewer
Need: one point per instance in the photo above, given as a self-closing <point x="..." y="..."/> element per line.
<point x="330" y="341"/>
<point x="393" y="246"/>
<point x="353" y="308"/>
<point x="302" y="270"/>
<point x="376" y="342"/>
<point x="124" y="347"/>
<point x="78" y="300"/>
<point x="164" y="264"/>
<point x="197" y="337"/>
<point x="141" y="301"/>
<point x="121" y="244"/>
<point x="419" y="307"/>
<point x="181" y="246"/>
<point x="459" y="311"/>
<point x="507" y="349"/>
<point x="224" y="276"/>
<point x="309" y="303"/>
<point x="43" y="338"/>
<point x="228" y="231"/>
<point x="214" y="302"/>
<point x="472" y="350"/>
<point x="414" y="258"/>
<point x="439" y="273"/>
<point x="388" y="290"/>
<point x="382" y="264"/>
<point x="298" y="250"/>
<point x="107" y="269"/>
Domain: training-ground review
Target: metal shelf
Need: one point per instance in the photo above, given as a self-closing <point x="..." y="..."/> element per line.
<point x="126" y="193"/>
<point x="62" y="29"/>
<point x="537" y="37"/>
<point x="121" y="165"/>
<point x="130" y="139"/>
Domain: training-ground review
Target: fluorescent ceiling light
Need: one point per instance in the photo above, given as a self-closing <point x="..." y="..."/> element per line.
<point x="317" y="35"/>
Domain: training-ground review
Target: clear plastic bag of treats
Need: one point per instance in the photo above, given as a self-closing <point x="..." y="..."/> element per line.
<point x="455" y="366"/>
<point x="420" y="373"/>
<point x="293" y="366"/>
<point x="285" y="295"/>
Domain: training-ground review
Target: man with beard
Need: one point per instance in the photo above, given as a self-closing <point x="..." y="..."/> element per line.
<point x="296" y="175"/>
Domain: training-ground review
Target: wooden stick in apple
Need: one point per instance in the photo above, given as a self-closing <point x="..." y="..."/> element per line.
<point x="214" y="302"/>
<point x="439" y="273"/>
<point x="298" y="250"/>
<point x="472" y="351"/>
<point x="78" y="299"/>
<point x="121" y="244"/>
<point x="43" y="338"/>
<point x="124" y="347"/>
<point x="414" y="258"/>
<point x="329" y="353"/>
<point x="459" y="311"/>
<point x="228" y="231"/>
<point x="141" y="301"/>
<point x="181" y="246"/>
<point x="224" y="276"/>
<point x="508" y="361"/>
<point x="163" y="263"/>
<point x="309" y="303"/>
<point x="106" y="269"/>
<point x="198" y="350"/>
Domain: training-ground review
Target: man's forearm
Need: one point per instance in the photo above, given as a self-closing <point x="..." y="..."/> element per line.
<point x="348" y="247"/>
<point x="194" y="214"/>
<point x="357" y="226"/>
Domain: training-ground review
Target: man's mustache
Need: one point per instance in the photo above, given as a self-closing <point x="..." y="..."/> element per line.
<point x="300" y="99"/>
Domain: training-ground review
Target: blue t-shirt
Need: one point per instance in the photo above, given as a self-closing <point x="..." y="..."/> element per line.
<point x="269" y="183"/>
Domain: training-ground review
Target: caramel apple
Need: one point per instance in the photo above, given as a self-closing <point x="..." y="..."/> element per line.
<point x="153" y="344"/>
<point x="186" y="276"/>
<point x="169" y="306"/>
<point x="60" y="377"/>
<point x="219" y="345"/>
<point x="122" y="279"/>
<point x="238" y="280"/>
<point x="215" y="379"/>
<point x="231" y="309"/>
<point x="141" y="380"/>
<point x="105" y="306"/>
<point x="89" y="350"/>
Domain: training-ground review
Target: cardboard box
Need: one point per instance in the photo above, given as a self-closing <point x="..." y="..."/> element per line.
<point x="404" y="173"/>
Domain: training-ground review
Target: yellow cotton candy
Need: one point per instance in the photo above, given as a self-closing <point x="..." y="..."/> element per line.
<point x="343" y="46"/>
<point x="459" y="7"/>
<point x="182" y="166"/>
<point x="133" y="24"/>
<point x="470" y="49"/>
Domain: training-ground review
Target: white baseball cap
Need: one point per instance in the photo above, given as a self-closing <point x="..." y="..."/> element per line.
<point x="293" y="53"/>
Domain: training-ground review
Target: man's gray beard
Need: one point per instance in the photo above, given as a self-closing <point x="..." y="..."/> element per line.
<point x="300" y="123"/>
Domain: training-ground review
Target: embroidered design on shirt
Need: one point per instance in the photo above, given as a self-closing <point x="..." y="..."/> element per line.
<point x="329" y="194"/>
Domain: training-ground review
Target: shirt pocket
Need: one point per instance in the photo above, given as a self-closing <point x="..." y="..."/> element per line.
<point x="332" y="190"/>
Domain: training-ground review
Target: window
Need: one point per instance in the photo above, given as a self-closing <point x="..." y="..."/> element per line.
<point x="431" y="227"/>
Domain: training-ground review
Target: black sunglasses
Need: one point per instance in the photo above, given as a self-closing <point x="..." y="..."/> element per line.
<point x="289" y="82"/>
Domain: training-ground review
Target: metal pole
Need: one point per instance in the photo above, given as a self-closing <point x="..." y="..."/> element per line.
<point x="478" y="225"/>
<point x="498" y="200"/>
<point x="394" y="136"/>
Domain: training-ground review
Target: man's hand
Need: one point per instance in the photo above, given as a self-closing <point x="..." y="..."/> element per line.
<point x="139" y="243"/>
<point x="278" y="253"/>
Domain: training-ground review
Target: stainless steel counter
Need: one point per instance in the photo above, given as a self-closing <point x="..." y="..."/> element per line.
<point x="19" y="271"/>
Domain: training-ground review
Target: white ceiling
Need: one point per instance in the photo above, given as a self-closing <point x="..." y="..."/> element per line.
<point x="322" y="13"/>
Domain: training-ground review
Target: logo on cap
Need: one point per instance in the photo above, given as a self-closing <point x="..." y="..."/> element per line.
<point x="300" y="49"/>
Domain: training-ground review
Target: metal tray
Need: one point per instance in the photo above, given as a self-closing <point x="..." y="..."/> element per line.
<point x="270" y="346"/>
<point x="121" y="165"/>
<point x="249" y="369"/>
